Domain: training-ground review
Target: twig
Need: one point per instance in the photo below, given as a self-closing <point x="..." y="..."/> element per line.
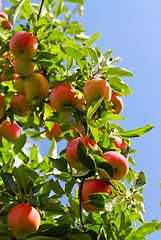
<point x="65" y="28"/>
<point x="80" y="200"/>
<point x="116" y="188"/>
<point x="38" y="16"/>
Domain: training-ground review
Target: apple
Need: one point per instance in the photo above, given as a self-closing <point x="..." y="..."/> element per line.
<point x="61" y="96"/>
<point x="23" y="45"/>
<point x="82" y="101"/>
<point x="2" y="106"/>
<point x="117" y="103"/>
<point x="36" y="87"/>
<point x="71" y="152"/>
<point x="92" y="186"/>
<point x="95" y="87"/>
<point x="23" y="219"/>
<point x="119" y="142"/>
<point x="9" y="78"/>
<point x="5" y="23"/>
<point x="54" y="132"/>
<point x="20" y="104"/>
<point x="10" y="131"/>
<point x="19" y="84"/>
<point x="23" y="67"/>
<point x="118" y="162"/>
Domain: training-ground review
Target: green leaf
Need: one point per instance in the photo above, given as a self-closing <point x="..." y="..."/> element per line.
<point x="84" y="157"/>
<point x="92" y="53"/>
<point x="102" y="164"/>
<point x="55" y="186"/>
<point x="138" y="132"/>
<point x="72" y="52"/>
<point x="21" y="176"/>
<point x="81" y="2"/>
<point x="9" y="182"/>
<point x="98" y="199"/>
<point x="118" y="72"/>
<point x="119" y="86"/>
<point x="14" y="10"/>
<point x="53" y="149"/>
<point x="58" y="8"/>
<point x="147" y="228"/>
<point x="19" y="143"/>
<point x="94" y="106"/>
<point x="93" y="39"/>
<point x="79" y="236"/>
<point x="140" y="181"/>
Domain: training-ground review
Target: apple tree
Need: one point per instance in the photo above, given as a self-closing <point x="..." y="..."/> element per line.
<point x="56" y="85"/>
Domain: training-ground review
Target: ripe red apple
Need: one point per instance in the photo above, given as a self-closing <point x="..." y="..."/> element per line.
<point x="117" y="103"/>
<point x="36" y="87"/>
<point x="23" y="67"/>
<point x="54" y="132"/>
<point x="23" y="45"/>
<point x="2" y="106"/>
<point x="63" y="95"/>
<point x="19" y="84"/>
<point x="71" y="152"/>
<point x="23" y="219"/>
<point x="20" y="104"/>
<point x="92" y="186"/>
<point x="119" y="142"/>
<point x="10" y="131"/>
<point x="5" y="23"/>
<point x="95" y="87"/>
<point x="118" y="162"/>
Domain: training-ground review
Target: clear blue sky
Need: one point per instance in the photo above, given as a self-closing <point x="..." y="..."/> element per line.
<point x="133" y="30"/>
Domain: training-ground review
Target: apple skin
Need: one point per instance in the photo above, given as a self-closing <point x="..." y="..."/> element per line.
<point x="23" y="45"/>
<point x="10" y="131"/>
<point x="23" y="219"/>
<point x="118" y="162"/>
<point x="2" y="106"/>
<point x="71" y="152"/>
<point x="23" y="67"/>
<point x="36" y="87"/>
<point x="20" y="85"/>
<point x="92" y="186"/>
<point x="117" y="103"/>
<point x="94" y="87"/>
<point x="6" y="23"/>
<point x="63" y="95"/>
<point x="20" y="104"/>
<point x="119" y="142"/>
<point x="54" y="132"/>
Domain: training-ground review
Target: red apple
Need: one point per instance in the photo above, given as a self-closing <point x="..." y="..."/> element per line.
<point x="23" y="219"/>
<point x="119" y="142"/>
<point x="92" y="186"/>
<point x="5" y="23"/>
<point x="20" y="84"/>
<point x="118" y="162"/>
<point x="117" y="103"/>
<point x="36" y="87"/>
<point x="61" y="96"/>
<point x="23" y="67"/>
<point x="54" y="132"/>
<point x="10" y="131"/>
<point x="2" y="106"/>
<point x="20" y="104"/>
<point x="95" y="87"/>
<point x="71" y="152"/>
<point x="23" y="45"/>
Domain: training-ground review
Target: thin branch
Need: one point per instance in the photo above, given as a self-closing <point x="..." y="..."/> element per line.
<point x="67" y="22"/>
<point x="116" y="188"/>
<point x="38" y="16"/>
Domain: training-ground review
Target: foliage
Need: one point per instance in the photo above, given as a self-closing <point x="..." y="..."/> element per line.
<point x="67" y="55"/>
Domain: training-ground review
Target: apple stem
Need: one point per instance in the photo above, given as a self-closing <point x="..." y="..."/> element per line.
<point x="80" y="199"/>
<point x="38" y="16"/>
<point x="116" y="189"/>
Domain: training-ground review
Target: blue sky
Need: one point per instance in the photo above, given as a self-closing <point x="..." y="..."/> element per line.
<point x="133" y="30"/>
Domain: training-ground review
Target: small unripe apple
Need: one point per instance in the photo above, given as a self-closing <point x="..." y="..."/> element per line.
<point x="2" y="106"/>
<point x="92" y="186"/>
<point x="119" y="164"/>
<point x="5" y="23"/>
<point x="23" y="67"/>
<point x="117" y="103"/>
<point x="71" y="152"/>
<point x="95" y="87"/>
<point x="55" y="132"/>
<point x="23" y="45"/>
<point x="20" y="84"/>
<point x="36" y="87"/>
<point x="20" y="104"/>
<point x="61" y="96"/>
<point x="10" y="131"/>
<point x="23" y="219"/>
